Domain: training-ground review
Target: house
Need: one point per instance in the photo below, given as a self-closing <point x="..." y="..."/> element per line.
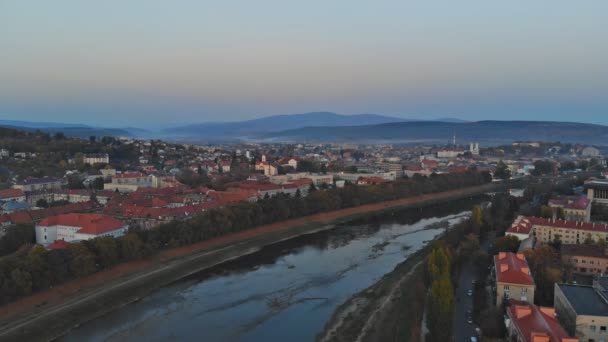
<point x="586" y="259"/>
<point x="521" y="228"/>
<point x="513" y="278"/>
<point x="583" y="310"/>
<point x="267" y="168"/>
<point x="77" y="227"/>
<point x="35" y="184"/>
<point x="531" y="323"/>
<point x="575" y="208"/>
<point x="9" y="195"/>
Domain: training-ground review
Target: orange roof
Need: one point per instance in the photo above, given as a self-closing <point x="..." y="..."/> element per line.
<point x="537" y="324"/>
<point x="10" y="193"/>
<point x="512" y="268"/>
<point x="89" y="223"/>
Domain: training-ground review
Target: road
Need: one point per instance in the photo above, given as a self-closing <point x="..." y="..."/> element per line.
<point x="462" y="330"/>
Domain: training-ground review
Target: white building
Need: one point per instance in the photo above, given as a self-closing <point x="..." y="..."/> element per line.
<point x="96" y="159"/>
<point x="474" y="149"/>
<point x="78" y="227"/>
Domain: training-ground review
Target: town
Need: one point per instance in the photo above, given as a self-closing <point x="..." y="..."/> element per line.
<point x="546" y="282"/>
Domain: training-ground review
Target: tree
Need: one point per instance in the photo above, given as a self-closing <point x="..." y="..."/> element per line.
<point x="83" y="260"/>
<point x="502" y="171"/>
<point x="476" y="216"/>
<point x="42" y="203"/>
<point x="506" y="244"/>
<point x="546" y="212"/>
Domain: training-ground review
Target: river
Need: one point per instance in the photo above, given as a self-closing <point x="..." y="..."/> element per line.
<point x="284" y="292"/>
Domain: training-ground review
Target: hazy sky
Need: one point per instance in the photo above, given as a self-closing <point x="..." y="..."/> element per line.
<point x="146" y="63"/>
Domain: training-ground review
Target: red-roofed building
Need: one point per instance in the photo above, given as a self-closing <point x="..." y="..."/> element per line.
<point x="513" y="278"/>
<point x="16" y="195"/>
<point x="77" y="227"/>
<point x="430" y="164"/>
<point x="532" y="323"/>
<point x="521" y="228"/>
<point x="576" y="208"/>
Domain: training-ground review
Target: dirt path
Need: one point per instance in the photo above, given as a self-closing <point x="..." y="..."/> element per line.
<point x="54" y="311"/>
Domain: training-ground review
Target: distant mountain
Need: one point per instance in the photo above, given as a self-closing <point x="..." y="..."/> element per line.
<point x="489" y="132"/>
<point x="33" y="124"/>
<point x="276" y="123"/>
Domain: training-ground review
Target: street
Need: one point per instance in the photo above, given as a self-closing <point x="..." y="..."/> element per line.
<point x="462" y="330"/>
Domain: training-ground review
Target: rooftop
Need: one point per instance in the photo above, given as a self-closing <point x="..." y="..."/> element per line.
<point x="512" y="268"/>
<point x="584" y="299"/>
<point x="535" y="323"/>
<point x="88" y="223"/>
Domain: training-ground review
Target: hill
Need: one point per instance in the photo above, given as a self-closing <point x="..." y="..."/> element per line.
<point x="489" y="132"/>
<point x="242" y="129"/>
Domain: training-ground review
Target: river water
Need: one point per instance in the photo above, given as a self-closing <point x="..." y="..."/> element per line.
<point x="285" y="292"/>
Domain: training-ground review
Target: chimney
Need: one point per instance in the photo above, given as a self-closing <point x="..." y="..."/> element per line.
<point x="522" y="311"/>
<point x="520" y="256"/>
<point x="540" y="337"/>
<point x="502" y="255"/>
<point x="503" y="267"/>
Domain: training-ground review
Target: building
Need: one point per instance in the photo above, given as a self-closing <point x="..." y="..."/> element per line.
<point x="586" y="259"/>
<point x="391" y="167"/>
<point x="36" y="184"/>
<point x="474" y="149"/>
<point x="583" y="310"/>
<point x="450" y="153"/>
<point x="371" y="180"/>
<point x="590" y="151"/>
<point x="597" y="190"/>
<point x="129" y="182"/>
<point x="521" y="228"/>
<point x="78" y="227"/>
<point x="576" y="208"/>
<point x="568" y="232"/>
<point x="99" y="158"/>
<point x="12" y="195"/>
<point x="531" y="323"/>
<point x="513" y="278"/>
<point x="267" y="168"/>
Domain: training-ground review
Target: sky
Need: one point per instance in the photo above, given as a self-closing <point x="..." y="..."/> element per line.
<point x="149" y="63"/>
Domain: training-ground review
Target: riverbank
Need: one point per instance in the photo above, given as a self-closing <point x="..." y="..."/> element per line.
<point x="49" y="314"/>
<point x="376" y="313"/>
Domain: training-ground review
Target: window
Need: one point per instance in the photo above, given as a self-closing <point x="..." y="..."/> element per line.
<point x="506" y="287"/>
<point x="524" y="290"/>
<point x="603" y="329"/>
<point x="592" y="327"/>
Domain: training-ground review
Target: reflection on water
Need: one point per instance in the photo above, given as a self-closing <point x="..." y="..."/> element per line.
<point x="286" y="291"/>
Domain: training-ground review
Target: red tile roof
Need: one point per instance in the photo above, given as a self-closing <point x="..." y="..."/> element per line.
<point x="521" y="225"/>
<point x="10" y="193"/>
<point x="598" y="227"/>
<point x="89" y="223"/>
<point x="536" y="324"/>
<point x="512" y="268"/>
<point x="571" y="202"/>
<point x="58" y="244"/>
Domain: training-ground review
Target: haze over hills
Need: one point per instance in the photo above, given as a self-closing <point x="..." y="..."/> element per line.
<point x="75" y="130"/>
<point x="489" y="132"/>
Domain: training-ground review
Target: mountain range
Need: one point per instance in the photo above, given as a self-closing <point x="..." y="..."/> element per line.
<point x="332" y="127"/>
<point x="489" y="132"/>
<point x="255" y="127"/>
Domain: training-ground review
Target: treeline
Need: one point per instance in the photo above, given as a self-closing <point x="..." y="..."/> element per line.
<point x="35" y="269"/>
